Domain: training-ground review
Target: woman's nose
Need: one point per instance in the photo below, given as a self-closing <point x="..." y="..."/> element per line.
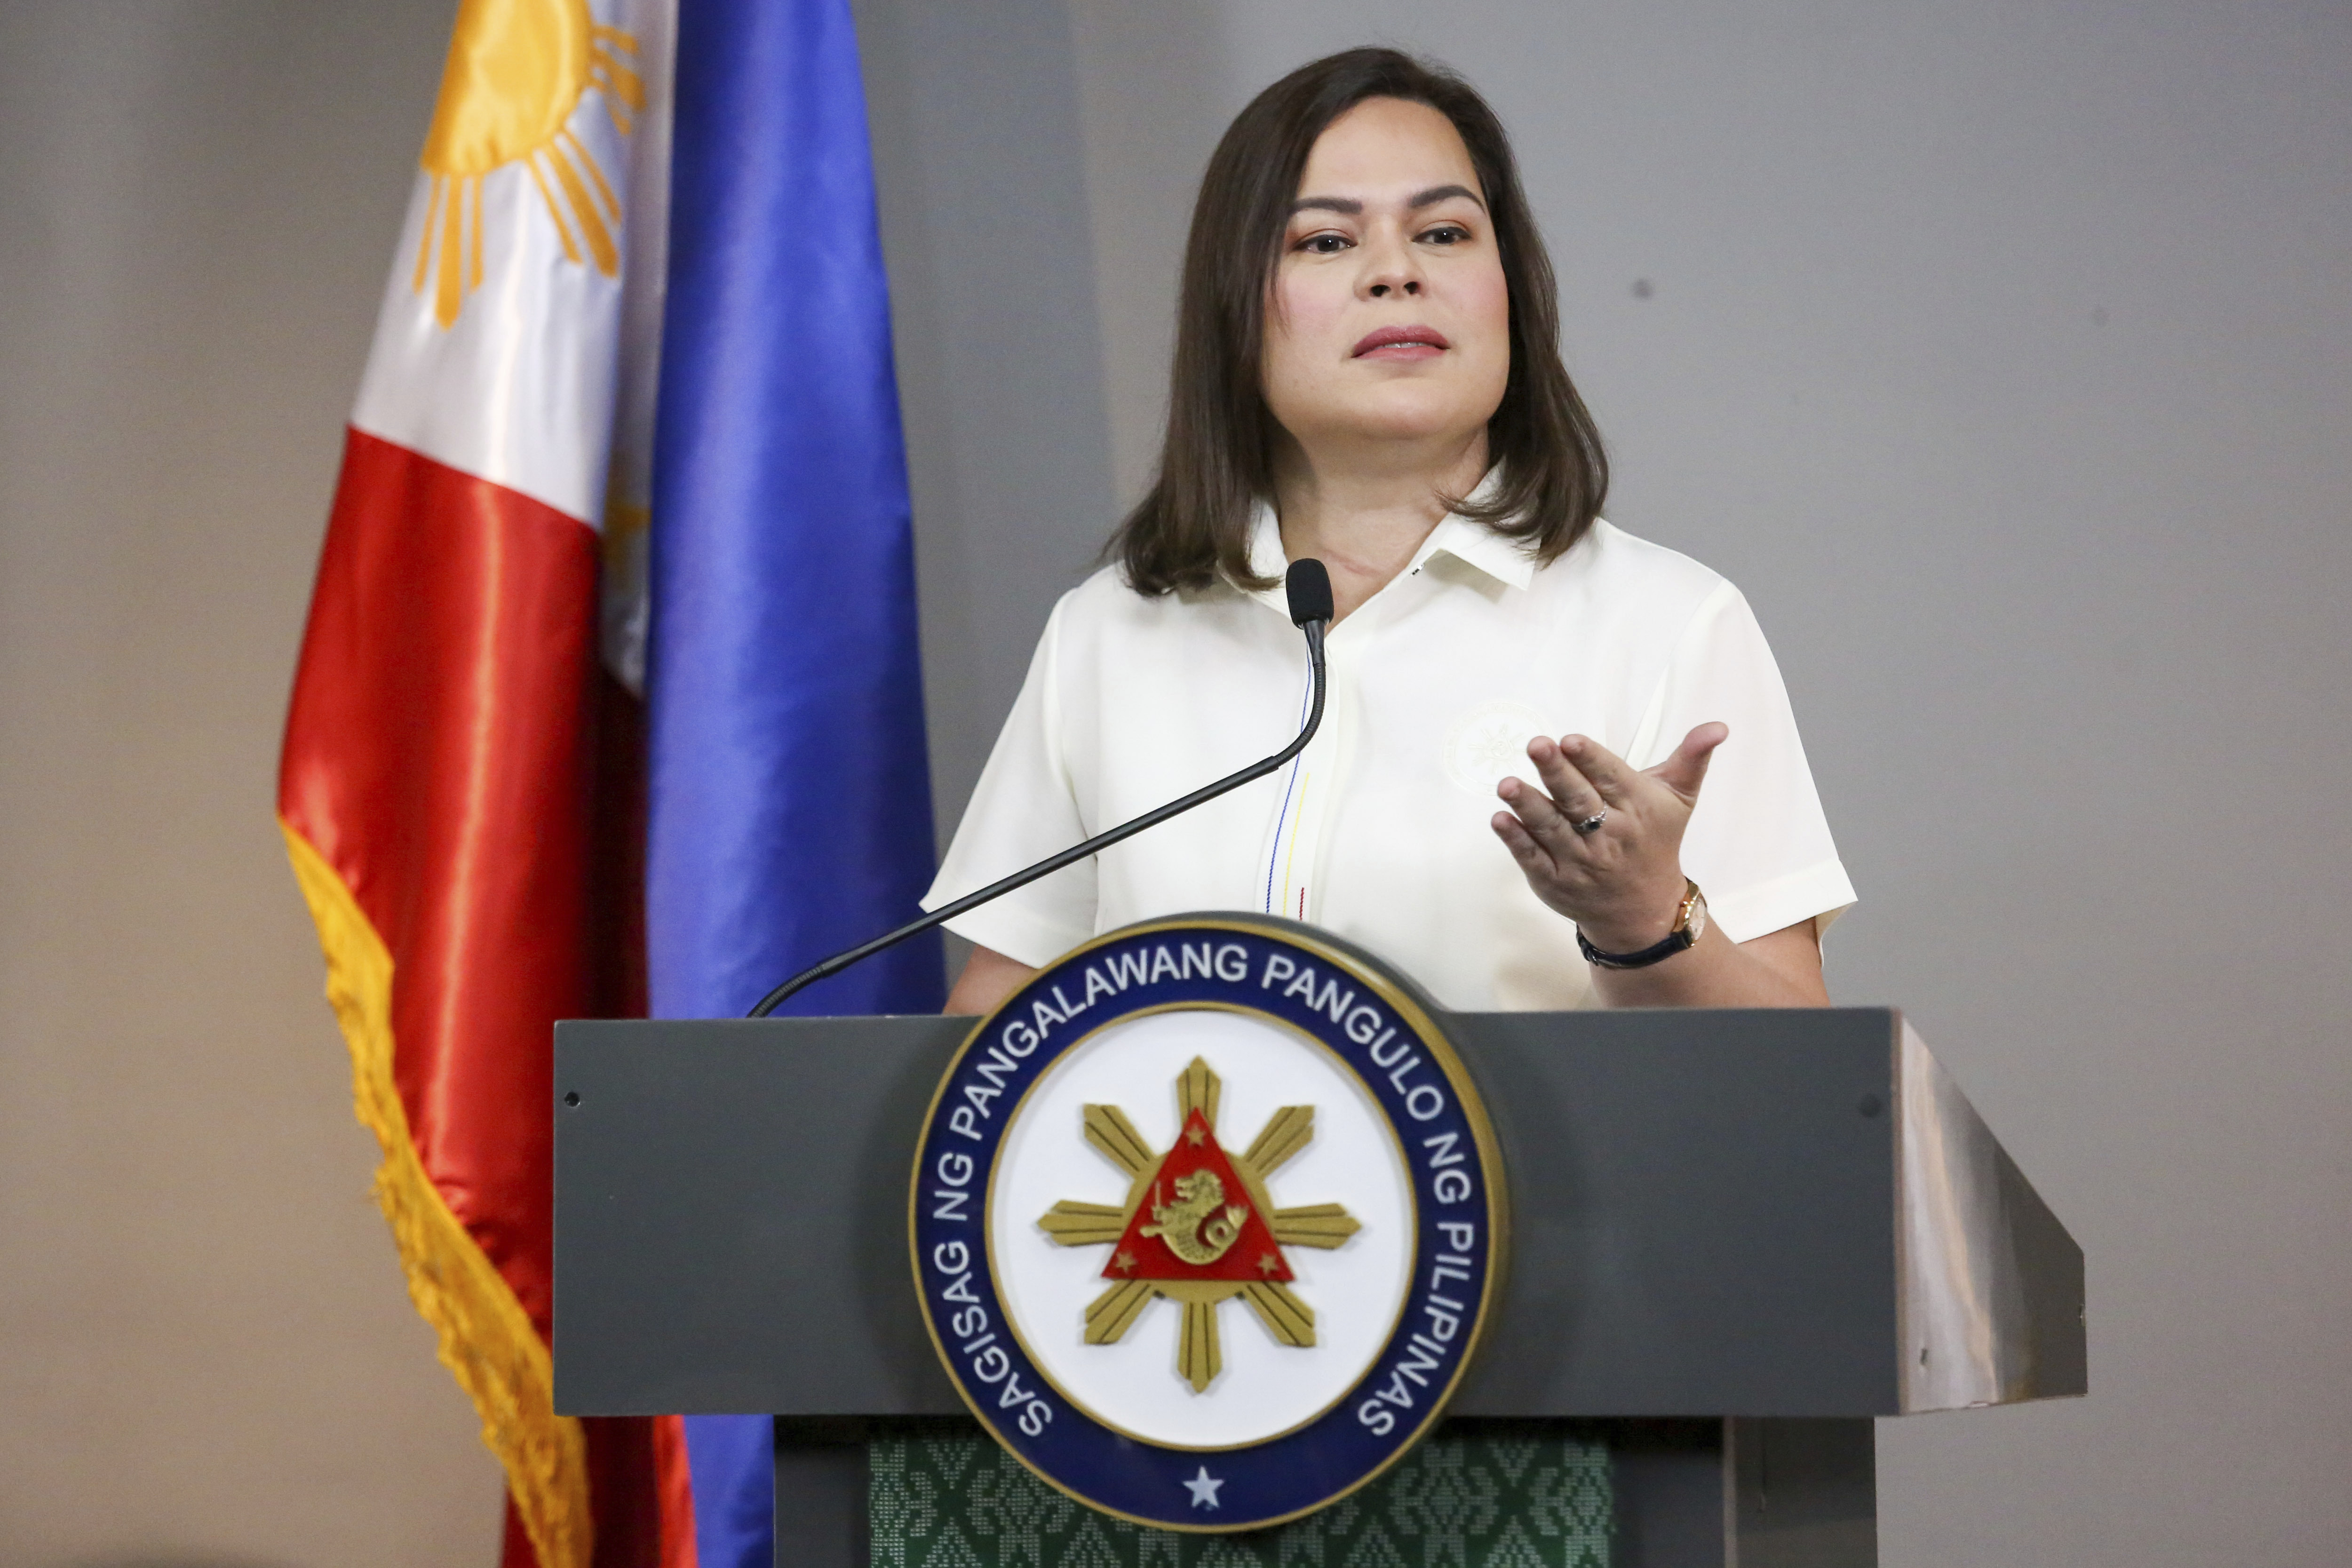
<point x="1391" y="270"/>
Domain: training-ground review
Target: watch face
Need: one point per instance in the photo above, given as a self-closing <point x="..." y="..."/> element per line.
<point x="1697" y="923"/>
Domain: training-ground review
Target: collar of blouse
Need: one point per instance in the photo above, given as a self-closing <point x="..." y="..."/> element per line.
<point x="1473" y="543"/>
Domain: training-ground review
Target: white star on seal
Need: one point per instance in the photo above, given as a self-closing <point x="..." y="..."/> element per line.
<point x="1203" y="1489"/>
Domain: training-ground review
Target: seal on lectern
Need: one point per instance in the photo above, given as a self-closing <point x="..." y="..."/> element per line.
<point x="1206" y="1220"/>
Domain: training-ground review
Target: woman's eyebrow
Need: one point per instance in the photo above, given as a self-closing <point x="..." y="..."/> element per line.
<point x="1440" y="193"/>
<point x="1414" y="202"/>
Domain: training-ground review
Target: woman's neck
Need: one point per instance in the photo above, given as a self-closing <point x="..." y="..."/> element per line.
<point x="1365" y="519"/>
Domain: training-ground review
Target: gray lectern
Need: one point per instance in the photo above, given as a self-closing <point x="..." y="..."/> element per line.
<point x="1737" y="1237"/>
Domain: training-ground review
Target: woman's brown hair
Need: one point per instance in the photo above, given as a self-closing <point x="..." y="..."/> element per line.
<point x="1216" y="460"/>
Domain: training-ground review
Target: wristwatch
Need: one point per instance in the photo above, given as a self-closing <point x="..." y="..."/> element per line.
<point x="1690" y="924"/>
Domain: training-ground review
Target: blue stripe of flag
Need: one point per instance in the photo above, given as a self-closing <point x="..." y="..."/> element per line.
<point x="790" y="811"/>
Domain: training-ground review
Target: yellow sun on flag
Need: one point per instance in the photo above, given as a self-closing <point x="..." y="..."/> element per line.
<point x="515" y="71"/>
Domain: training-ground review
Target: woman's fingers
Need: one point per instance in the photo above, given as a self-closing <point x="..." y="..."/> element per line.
<point x="1538" y="815"/>
<point x="1684" y="770"/>
<point x="1531" y="855"/>
<point x="1570" y="790"/>
<point x="1610" y="778"/>
<point x="1627" y="865"/>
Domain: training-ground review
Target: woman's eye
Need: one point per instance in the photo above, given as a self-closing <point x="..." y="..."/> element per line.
<point x="1447" y="234"/>
<point x="1323" y="244"/>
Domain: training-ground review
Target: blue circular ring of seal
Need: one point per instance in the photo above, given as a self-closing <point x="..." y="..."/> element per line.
<point x="1388" y="1036"/>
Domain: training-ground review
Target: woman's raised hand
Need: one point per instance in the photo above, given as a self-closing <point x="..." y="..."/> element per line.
<point x="1601" y="842"/>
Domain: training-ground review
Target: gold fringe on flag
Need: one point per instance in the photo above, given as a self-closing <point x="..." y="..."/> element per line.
<point x="486" y="1339"/>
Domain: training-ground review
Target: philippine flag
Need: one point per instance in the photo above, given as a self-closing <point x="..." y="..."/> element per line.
<point x="519" y="615"/>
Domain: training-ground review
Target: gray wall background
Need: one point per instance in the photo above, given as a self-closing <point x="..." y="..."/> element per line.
<point x="207" y="1357"/>
<point x="2003" y="353"/>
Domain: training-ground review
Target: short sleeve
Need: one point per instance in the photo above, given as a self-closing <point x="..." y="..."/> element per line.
<point x="1758" y="843"/>
<point x="1023" y="809"/>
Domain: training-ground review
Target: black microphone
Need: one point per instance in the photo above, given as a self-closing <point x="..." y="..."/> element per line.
<point x="1308" y="588"/>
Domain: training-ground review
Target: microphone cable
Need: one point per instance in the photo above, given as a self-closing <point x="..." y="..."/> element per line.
<point x="1307" y="588"/>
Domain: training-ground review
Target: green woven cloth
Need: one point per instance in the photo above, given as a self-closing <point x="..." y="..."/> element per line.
<point x="1489" y="1495"/>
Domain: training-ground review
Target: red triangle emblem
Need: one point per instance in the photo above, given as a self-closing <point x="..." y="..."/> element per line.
<point x="1197" y="1220"/>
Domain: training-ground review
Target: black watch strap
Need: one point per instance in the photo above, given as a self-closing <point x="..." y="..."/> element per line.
<point x="1672" y="942"/>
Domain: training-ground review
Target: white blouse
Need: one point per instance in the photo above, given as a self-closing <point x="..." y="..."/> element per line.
<point x="1379" y="831"/>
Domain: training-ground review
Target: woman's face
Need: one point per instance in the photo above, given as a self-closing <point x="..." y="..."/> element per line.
<point x="1390" y="320"/>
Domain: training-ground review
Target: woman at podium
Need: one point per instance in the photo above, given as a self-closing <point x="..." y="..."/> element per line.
<point x="1558" y="768"/>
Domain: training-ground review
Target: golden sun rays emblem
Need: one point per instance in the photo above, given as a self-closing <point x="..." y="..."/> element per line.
<point x="515" y="71"/>
<point x="1197" y="1226"/>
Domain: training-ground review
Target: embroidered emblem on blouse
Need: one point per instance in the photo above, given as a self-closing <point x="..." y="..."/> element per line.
<point x="1489" y="743"/>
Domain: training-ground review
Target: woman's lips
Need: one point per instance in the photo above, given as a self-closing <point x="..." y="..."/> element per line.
<point x="1402" y="342"/>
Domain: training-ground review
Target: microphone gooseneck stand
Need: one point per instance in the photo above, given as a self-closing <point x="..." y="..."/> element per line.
<point x="1308" y="588"/>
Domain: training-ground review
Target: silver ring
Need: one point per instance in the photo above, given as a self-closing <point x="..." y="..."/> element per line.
<point x="1591" y="824"/>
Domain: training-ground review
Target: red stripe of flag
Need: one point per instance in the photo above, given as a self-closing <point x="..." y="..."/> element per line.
<point x="457" y="756"/>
